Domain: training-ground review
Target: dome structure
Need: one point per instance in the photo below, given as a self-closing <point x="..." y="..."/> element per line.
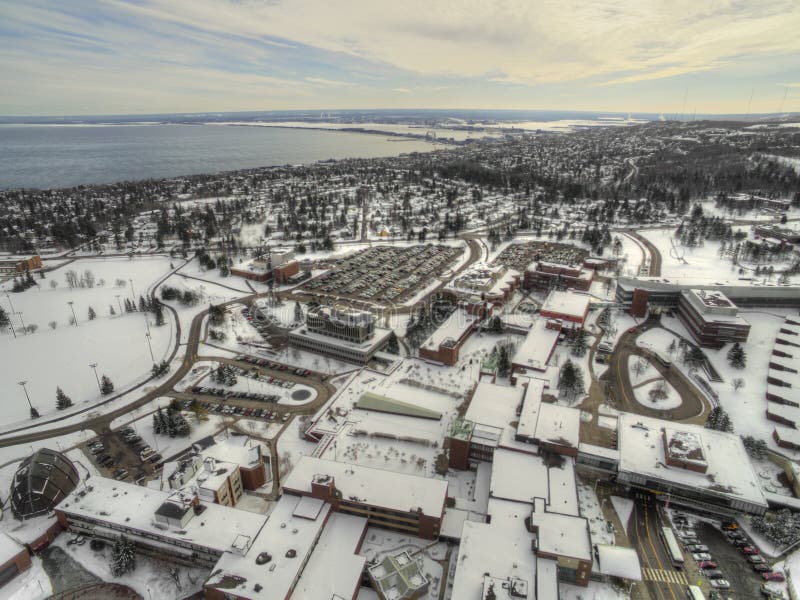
<point x="43" y="480"/>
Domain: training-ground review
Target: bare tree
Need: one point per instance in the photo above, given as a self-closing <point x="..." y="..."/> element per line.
<point x="737" y="383"/>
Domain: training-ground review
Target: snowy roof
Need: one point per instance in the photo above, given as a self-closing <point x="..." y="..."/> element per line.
<point x="546" y="578"/>
<point x="494" y="405"/>
<point x="376" y="487"/>
<point x="378" y="338"/>
<point x="133" y="507"/>
<point x="537" y="347"/>
<point x="558" y="425"/>
<point x="239" y="449"/>
<point x="334" y="569"/>
<point x="567" y="303"/>
<point x="9" y="548"/>
<point x="518" y="477"/>
<point x="501" y="549"/>
<point x="286" y="541"/>
<point x="561" y="535"/>
<point x="729" y="472"/>
<point x="453" y="328"/>
<point x="530" y="408"/>
<point x="618" y="561"/>
<point x="563" y="491"/>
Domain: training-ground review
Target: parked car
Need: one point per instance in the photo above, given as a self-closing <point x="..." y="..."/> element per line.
<point x="697" y="548"/>
<point x="762" y="568"/>
<point x="730" y="525"/>
<point x="698" y="556"/>
<point x="749" y="550"/>
<point x="720" y="584"/>
<point x="707" y="564"/>
<point x="774" y="576"/>
<point x="632" y="330"/>
<point x="756" y="559"/>
<point x="714" y="574"/>
<point x="734" y="535"/>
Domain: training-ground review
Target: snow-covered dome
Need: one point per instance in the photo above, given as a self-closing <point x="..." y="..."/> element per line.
<point x="43" y="480"/>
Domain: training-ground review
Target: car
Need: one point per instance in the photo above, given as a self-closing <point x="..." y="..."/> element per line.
<point x="707" y="564"/>
<point x="734" y="535"/>
<point x="756" y="559"/>
<point x="741" y="543"/>
<point x="774" y="576"/>
<point x="714" y="574"/>
<point x="97" y="450"/>
<point x="697" y="548"/>
<point x="698" y="556"/>
<point x="749" y="550"/>
<point x="730" y="525"/>
<point x="633" y="330"/>
<point x="720" y="584"/>
<point x="762" y="568"/>
<point x="154" y="458"/>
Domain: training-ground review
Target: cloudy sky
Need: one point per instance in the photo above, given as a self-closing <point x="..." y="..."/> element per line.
<point x="151" y="56"/>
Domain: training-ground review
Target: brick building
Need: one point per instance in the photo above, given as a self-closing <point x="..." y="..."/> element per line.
<point x="10" y="265"/>
<point x="712" y="318"/>
<point x="543" y="275"/>
<point x="444" y="344"/>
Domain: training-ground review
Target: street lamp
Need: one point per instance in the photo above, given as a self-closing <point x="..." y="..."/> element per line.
<point x="94" y="367"/>
<point x="9" y="302"/>
<point x="133" y="292"/>
<point x="19" y="314"/>
<point x="34" y="412"/>
<point x="149" y="345"/>
<point x="72" y="308"/>
<point x="119" y="304"/>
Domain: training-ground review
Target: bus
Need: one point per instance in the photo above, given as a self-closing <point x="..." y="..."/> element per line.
<point x="694" y="593"/>
<point x="673" y="549"/>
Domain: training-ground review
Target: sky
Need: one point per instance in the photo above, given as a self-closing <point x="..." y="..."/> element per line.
<point x="674" y="57"/>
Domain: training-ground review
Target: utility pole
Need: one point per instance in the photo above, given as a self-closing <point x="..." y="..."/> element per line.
<point x="149" y="345"/>
<point x="94" y="368"/>
<point x="34" y="412"/>
<point x="72" y="308"/>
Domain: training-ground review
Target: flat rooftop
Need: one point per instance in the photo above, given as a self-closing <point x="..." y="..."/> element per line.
<point x="561" y="535"/>
<point x="453" y="328"/>
<point x="558" y="425"/>
<point x="566" y="303"/>
<point x="375" y="487"/>
<point x="133" y="506"/>
<point x="729" y="473"/>
<point x="379" y="336"/>
<point x="535" y="350"/>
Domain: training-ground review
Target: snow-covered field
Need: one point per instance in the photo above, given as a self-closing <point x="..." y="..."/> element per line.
<point x="61" y="356"/>
<point x="672" y="399"/>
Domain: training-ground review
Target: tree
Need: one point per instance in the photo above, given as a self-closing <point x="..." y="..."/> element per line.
<point x="755" y="448"/>
<point x="216" y="314"/>
<point x="737" y="383"/>
<point x="62" y="400"/>
<point x="111" y="310"/>
<point x="160" y="368"/>
<point x="158" y="310"/>
<point x="672" y="348"/>
<point x="737" y="357"/>
<point x="570" y="380"/>
<point x="31" y="328"/>
<point x="106" y="385"/>
<point x="719" y="420"/>
<point x="503" y="361"/>
<point x="639" y="367"/>
<point x="495" y="324"/>
<point x="159" y="422"/>
<point x="4" y="320"/>
<point x="298" y="312"/>
<point x="392" y="345"/>
<point x="658" y="392"/>
<point x="123" y="557"/>
<point x="53" y="324"/>
<point x="579" y="343"/>
<point x="92" y="314"/>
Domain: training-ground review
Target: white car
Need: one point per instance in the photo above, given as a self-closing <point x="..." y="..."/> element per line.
<point x="720" y="584"/>
<point x="701" y="556"/>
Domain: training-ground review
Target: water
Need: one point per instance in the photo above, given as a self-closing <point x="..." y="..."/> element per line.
<point x="46" y="156"/>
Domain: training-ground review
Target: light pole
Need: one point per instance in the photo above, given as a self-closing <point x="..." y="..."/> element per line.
<point x="149" y="345"/>
<point x="133" y="292"/>
<point x="19" y="314"/>
<point x="9" y="302"/>
<point x="72" y="308"/>
<point x="94" y="368"/>
<point x="119" y="304"/>
<point x="34" y="412"/>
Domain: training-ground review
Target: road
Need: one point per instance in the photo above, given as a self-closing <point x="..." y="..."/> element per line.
<point x="655" y="255"/>
<point x="693" y="407"/>
<point x="662" y="581"/>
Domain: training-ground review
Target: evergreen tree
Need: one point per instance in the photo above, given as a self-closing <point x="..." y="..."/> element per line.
<point x="392" y="345"/>
<point x="579" y="343"/>
<point x="92" y="314"/>
<point x="755" y="448"/>
<point x="719" y="420"/>
<point x="4" y="320"/>
<point x="503" y="362"/>
<point x="570" y="380"/>
<point x="159" y="424"/>
<point x="142" y="304"/>
<point x="158" y="310"/>
<point x="111" y="310"/>
<point x="169" y="422"/>
<point x="298" y="312"/>
<point x="123" y="557"/>
<point x="106" y="385"/>
<point x="62" y="400"/>
<point x="737" y="357"/>
<point x="216" y="314"/>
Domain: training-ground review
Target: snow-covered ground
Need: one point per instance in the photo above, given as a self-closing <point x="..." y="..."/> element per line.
<point x="672" y="399"/>
<point x="61" y="356"/>
<point x="594" y="591"/>
<point x="646" y="370"/>
<point x="593" y="513"/>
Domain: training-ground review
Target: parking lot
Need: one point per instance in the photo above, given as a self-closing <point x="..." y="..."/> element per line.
<point x="519" y="256"/>
<point x="383" y="273"/>
<point x="122" y="455"/>
<point x="722" y="557"/>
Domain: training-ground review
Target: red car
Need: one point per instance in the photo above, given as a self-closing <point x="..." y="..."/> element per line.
<point x="707" y="564"/>
<point x="749" y="550"/>
<point x="773" y="576"/>
<point x="632" y="330"/>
